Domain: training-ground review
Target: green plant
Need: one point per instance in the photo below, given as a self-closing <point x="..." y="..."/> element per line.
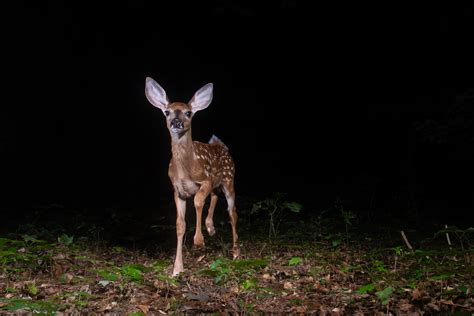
<point x="398" y="252"/>
<point x="384" y="295"/>
<point x="379" y="266"/>
<point x="108" y="275"/>
<point x="347" y="216"/>
<point x="275" y="207"/>
<point x="366" y="288"/>
<point x="17" y="256"/>
<point x="35" y="307"/>
<point x="246" y="308"/>
<point x="133" y="272"/>
<point x="462" y="235"/>
<point x="249" y="284"/>
<point x="31" y="288"/>
<point x="219" y="269"/>
<point x="294" y="261"/>
<point x="319" y="224"/>
<point x="223" y="269"/>
<point x="160" y="265"/>
<point x="65" y="239"/>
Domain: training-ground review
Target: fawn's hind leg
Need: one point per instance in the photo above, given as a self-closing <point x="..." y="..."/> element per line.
<point x="210" y="214"/>
<point x="230" y="197"/>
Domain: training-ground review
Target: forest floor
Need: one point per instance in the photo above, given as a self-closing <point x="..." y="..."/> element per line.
<point x="67" y="261"/>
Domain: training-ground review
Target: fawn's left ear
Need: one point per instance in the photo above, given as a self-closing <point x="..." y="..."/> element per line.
<point x="202" y="98"/>
<point x="156" y="94"/>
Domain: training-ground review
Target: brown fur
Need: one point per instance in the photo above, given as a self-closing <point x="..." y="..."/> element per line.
<point x="196" y="170"/>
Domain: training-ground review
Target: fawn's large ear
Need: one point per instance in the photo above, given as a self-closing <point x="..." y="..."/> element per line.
<point x="156" y="94"/>
<point x="202" y="98"/>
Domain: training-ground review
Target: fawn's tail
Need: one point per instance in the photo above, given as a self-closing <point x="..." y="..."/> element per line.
<point x="216" y="141"/>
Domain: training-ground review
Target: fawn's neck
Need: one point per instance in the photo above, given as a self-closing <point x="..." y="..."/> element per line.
<point x="183" y="150"/>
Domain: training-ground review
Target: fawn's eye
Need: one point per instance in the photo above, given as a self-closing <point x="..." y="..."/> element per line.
<point x="167" y="113"/>
<point x="188" y="113"/>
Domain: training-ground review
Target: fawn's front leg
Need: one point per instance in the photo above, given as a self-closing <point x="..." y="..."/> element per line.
<point x="180" y="229"/>
<point x="199" y="200"/>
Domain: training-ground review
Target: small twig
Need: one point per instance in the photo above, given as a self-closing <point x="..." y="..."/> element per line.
<point x="447" y="237"/>
<point x="406" y="240"/>
<point x="261" y="250"/>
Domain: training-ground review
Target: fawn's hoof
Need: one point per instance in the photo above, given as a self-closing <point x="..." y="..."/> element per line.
<point x="211" y="231"/>
<point x="236" y="252"/>
<point x="199" y="242"/>
<point x="210" y="227"/>
<point x="177" y="270"/>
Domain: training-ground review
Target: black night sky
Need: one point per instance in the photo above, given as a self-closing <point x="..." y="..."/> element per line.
<point x="348" y="101"/>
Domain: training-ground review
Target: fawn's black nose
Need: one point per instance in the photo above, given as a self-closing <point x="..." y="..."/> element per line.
<point x="176" y="123"/>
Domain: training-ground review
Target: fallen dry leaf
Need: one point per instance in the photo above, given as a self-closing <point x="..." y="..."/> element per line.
<point x="68" y="277"/>
<point x="446" y="302"/>
<point x="200" y="258"/>
<point x="298" y="309"/>
<point x="405" y="307"/>
<point x="416" y="294"/>
<point x="327" y="278"/>
<point x="144" y="308"/>
<point x="433" y="306"/>
<point x="267" y="276"/>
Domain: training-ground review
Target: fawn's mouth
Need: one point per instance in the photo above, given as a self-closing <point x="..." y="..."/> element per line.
<point x="176" y="124"/>
<point x="177" y="130"/>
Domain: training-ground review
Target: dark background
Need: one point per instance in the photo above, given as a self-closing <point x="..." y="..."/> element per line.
<point x="367" y="103"/>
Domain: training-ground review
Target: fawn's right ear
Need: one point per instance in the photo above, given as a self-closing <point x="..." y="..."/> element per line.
<point x="156" y="94"/>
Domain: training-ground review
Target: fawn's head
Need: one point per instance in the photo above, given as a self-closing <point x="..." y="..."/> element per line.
<point x="178" y="115"/>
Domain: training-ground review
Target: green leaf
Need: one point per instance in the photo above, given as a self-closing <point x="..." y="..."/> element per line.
<point x="140" y="267"/>
<point x="249" y="284"/>
<point x="249" y="264"/>
<point x="30" y="238"/>
<point x="160" y="265"/>
<point x="65" y="239"/>
<point x="168" y="279"/>
<point x="32" y="289"/>
<point x="293" y="206"/>
<point x="216" y="264"/>
<point x="219" y="278"/>
<point x="118" y="249"/>
<point x="366" y="288"/>
<point x="379" y="266"/>
<point x="384" y="295"/>
<point x="108" y="275"/>
<point x="295" y="261"/>
<point x="256" y="207"/>
<point x="132" y="273"/>
<point x="36" y="307"/>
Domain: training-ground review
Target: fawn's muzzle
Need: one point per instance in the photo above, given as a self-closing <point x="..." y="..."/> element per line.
<point x="177" y="123"/>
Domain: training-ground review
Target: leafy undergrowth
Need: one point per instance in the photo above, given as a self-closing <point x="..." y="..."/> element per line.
<point x="305" y="277"/>
<point x="320" y="265"/>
